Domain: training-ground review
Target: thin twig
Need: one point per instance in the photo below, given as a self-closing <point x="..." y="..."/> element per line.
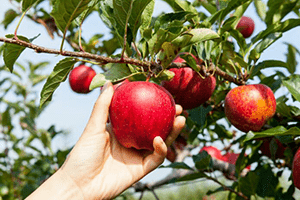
<point x="228" y="188"/>
<point x="99" y="58"/>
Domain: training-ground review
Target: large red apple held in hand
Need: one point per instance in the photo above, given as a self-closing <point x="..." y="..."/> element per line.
<point x="246" y="26"/>
<point x="249" y="107"/>
<point x="213" y="152"/>
<point x="80" y="78"/>
<point x="188" y="88"/>
<point x="139" y="112"/>
<point x="296" y="169"/>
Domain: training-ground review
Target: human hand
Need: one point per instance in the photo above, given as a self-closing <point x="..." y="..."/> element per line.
<point x="101" y="168"/>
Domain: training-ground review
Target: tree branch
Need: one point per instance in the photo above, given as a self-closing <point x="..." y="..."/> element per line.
<point x="104" y="60"/>
<point x="226" y="168"/>
<point x="98" y="58"/>
<point x="213" y="69"/>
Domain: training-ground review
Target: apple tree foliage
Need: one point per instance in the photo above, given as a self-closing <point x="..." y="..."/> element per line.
<point x="141" y="46"/>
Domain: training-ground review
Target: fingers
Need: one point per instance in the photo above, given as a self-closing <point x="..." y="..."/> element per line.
<point x="100" y="112"/>
<point x="155" y="159"/>
<point x="178" y="109"/>
<point x="178" y="125"/>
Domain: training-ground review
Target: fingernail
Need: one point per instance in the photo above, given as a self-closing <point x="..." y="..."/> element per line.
<point x="105" y="85"/>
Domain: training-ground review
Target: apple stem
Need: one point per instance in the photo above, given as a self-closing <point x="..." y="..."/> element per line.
<point x="148" y="78"/>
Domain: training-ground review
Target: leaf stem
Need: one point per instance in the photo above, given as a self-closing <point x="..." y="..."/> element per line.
<point x="19" y="23"/>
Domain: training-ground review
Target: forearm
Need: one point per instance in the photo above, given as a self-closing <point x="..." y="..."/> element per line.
<point x="57" y="187"/>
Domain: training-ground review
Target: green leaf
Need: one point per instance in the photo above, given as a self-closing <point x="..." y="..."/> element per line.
<point x="278" y="10"/>
<point x="179" y="5"/>
<point x="131" y="10"/>
<point x="115" y="73"/>
<point x="293" y="85"/>
<point x="266" y="64"/>
<point x="177" y="165"/>
<point x="26" y="4"/>
<point x="65" y="11"/>
<point x="277" y="131"/>
<point x="248" y="184"/>
<point x="202" y="160"/>
<point x="6" y="118"/>
<point x="266" y="42"/>
<point x="11" y="52"/>
<point x="277" y="27"/>
<point x="222" y="13"/>
<point x="9" y="17"/>
<point x="194" y="36"/>
<point x="261" y="9"/>
<point x="88" y="11"/>
<point x="192" y="176"/>
<point x="146" y="16"/>
<point x="291" y="58"/>
<point x="58" y="75"/>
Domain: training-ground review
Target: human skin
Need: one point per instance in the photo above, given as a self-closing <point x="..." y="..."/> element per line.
<point x="98" y="167"/>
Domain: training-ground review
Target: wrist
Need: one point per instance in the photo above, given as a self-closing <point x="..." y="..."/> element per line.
<point x="58" y="186"/>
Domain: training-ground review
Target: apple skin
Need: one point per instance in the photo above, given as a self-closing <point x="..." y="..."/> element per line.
<point x="249" y="107"/>
<point x="246" y="26"/>
<point x="178" y="145"/>
<point x="232" y="158"/>
<point x="213" y="152"/>
<point x="265" y="148"/>
<point x="171" y="154"/>
<point x="80" y="79"/>
<point x="139" y="112"/>
<point x="296" y="169"/>
<point x="188" y="88"/>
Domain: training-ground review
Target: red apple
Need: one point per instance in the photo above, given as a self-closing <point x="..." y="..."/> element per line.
<point x="171" y="154"/>
<point x="246" y="26"/>
<point x="266" y="148"/>
<point x="249" y="107"/>
<point x="139" y="112"/>
<point x="80" y="78"/>
<point x="213" y="152"/>
<point x="188" y="88"/>
<point x="232" y="158"/>
<point x="177" y="146"/>
<point x="296" y="169"/>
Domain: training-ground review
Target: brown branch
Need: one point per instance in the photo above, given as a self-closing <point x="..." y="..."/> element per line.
<point x="98" y="58"/>
<point x="226" y="168"/>
<point x="228" y="188"/>
<point x="213" y="69"/>
<point x="104" y="60"/>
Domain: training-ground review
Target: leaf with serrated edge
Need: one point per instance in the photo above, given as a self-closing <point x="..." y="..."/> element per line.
<point x="11" y="52"/>
<point x="58" y="75"/>
<point x="65" y="11"/>
<point x="293" y="85"/>
<point x="27" y="4"/>
<point x="277" y="131"/>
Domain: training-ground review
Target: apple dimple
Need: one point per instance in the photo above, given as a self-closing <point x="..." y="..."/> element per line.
<point x="139" y="112"/>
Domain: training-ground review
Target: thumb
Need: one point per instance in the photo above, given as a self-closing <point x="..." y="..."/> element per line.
<point x="100" y="111"/>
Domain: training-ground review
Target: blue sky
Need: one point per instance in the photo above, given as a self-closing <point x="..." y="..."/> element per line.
<point x="71" y="111"/>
